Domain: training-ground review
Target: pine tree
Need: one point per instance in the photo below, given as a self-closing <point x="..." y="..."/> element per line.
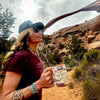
<point x="76" y="50"/>
<point x="6" y="23"/>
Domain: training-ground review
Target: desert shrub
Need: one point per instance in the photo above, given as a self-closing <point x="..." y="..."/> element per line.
<point x="56" y="51"/>
<point x="91" y="90"/>
<point x="72" y="64"/>
<point x="44" y="51"/>
<point x="90" y="58"/>
<point x="93" y="56"/>
<point x="77" y="73"/>
<point x="71" y="85"/>
<point x="54" y="43"/>
<point x="91" y="75"/>
<point x="54" y="58"/>
<point x="48" y="46"/>
<point x="84" y="65"/>
<point x="89" y="40"/>
<point x="41" y="56"/>
<point x="67" y="47"/>
<point x="80" y="50"/>
<point x="83" y="33"/>
<point x="61" y="46"/>
<point x="46" y="40"/>
<point x="57" y="58"/>
<point x="50" y="56"/>
<point x="65" y="35"/>
<point x="52" y="48"/>
<point x="66" y="60"/>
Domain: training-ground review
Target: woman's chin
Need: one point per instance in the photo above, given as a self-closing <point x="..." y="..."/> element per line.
<point x="41" y="40"/>
<point x="38" y="41"/>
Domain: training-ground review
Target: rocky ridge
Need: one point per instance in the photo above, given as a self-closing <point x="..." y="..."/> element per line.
<point x="88" y="32"/>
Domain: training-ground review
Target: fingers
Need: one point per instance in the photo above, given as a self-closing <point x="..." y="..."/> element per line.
<point x="49" y="73"/>
<point x="45" y="70"/>
<point x="50" y="81"/>
<point x="47" y="78"/>
<point x="49" y="69"/>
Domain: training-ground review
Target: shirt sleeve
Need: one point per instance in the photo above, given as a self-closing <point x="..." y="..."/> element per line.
<point x="17" y="64"/>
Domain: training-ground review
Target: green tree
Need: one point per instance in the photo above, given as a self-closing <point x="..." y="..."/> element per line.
<point x="76" y="49"/>
<point x="6" y="23"/>
<point x="5" y="45"/>
<point x="54" y="58"/>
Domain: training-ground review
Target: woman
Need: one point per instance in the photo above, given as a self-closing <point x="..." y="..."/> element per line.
<point x="25" y="77"/>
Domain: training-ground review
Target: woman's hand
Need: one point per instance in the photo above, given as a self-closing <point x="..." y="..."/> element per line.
<point x="46" y="79"/>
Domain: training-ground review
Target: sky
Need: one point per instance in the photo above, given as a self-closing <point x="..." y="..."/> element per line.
<point x="45" y="10"/>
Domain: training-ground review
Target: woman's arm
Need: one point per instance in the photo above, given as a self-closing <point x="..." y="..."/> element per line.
<point x="9" y="91"/>
<point x="12" y="80"/>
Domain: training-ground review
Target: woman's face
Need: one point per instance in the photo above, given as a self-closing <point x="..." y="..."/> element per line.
<point x="35" y="37"/>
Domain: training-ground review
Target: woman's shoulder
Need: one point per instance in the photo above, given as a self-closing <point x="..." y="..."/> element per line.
<point x="23" y="53"/>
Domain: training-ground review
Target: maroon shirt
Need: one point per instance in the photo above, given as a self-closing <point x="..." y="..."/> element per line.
<point x="31" y="68"/>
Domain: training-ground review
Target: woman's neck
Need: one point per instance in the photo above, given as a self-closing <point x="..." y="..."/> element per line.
<point x="33" y="47"/>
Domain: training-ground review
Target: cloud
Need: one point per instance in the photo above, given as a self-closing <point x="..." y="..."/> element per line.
<point x="45" y="10"/>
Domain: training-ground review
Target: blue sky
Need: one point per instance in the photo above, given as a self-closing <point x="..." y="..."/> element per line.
<point x="45" y="10"/>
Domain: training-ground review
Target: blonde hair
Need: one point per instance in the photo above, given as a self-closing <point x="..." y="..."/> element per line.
<point x="19" y="45"/>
